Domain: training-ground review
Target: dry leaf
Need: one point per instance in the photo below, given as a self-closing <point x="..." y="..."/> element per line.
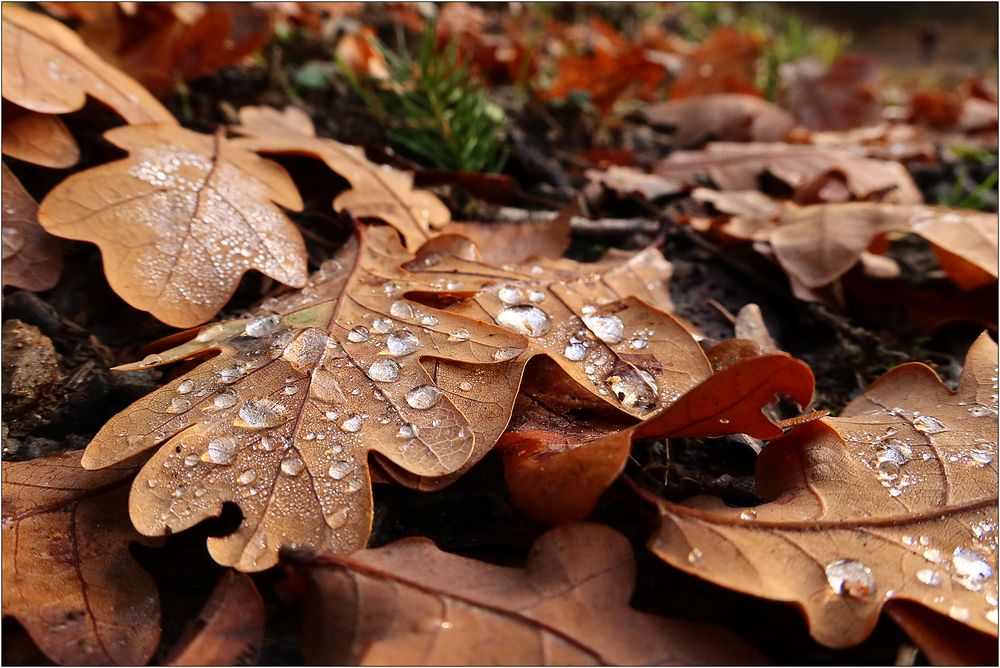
<point x="517" y="242"/>
<point x="181" y="220"/>
<point x="750" y="325"/>
<point x="32" y="259"/>
<point x="410" y="603"/>
<point x="894" y="500"/>
<point x="811" y="173"/>
<point x="377" y="191"/>
<point x="626" y="181"/>
<point x="68" y="576"/>
<point x="229" y="631"/>
<point x="48" y="69"/>
<point x="41" y="139"/>
<point x="721" y="117"/>
<point x="557" y="466"/>
<point x="818" y="244"/>
<point x="725" y="63"/>
<point x="281" y="421"/>
<point x="838" y="97"/>
<point x="944" y="641"/>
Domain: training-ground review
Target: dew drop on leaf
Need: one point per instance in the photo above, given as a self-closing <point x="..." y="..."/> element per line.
<point x="401" y="343"/>
<point x="423" y="397"/>
<point x="608" y="328"/>
<point x="225" y="400"/>
<point x="928" y="425"/>
<point x="339" y="470"/>
<point x="221" y="450"/>
<point x="186" y="386"/>
<point x="528" y="320"/>
<point x="358" y="335"/>
<point x="847" y="577"/>
<point x="260" y="414"/>
<point x="263" y="326"/>
<point x="384" y="370"/>
<point x="292" y="466"/>
<point x="352" y="425"/>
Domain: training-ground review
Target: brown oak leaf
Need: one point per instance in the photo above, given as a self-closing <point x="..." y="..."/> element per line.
<point x="47" y="68"/>
<point x="281" y="420"/>
<point x="32" y="259"/>
<point x="896" y="499"/>
<point x="410" y="603"/>
<point x="68" y="576"/>
<point x="42" y="139"/>
<point x="180" y="220"/>
<point x="721" y="117"/>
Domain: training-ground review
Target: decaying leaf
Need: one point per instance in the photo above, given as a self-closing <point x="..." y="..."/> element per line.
<point x="818" y="244"/>
<point x="721" y="117"/>
<point x="895" y="499"/>
<point x="47" y="68"/>
<point x="557" y="466"/>
<point x="628" y="181"/>
<point x="41" y="139"/>
<point x="725" y="63"/>
<point x="180" y="220"/>
<point x="281" y="421"/>
<point x="410" y="603"/>
<point x="377" y="191"/>
<point x="229" y="631"/>
<point x="68" y="576"/>
<point x="32" y="259"/>
<point x="834" y="97"/>
<point x="517" y="242"/>
<point x="811" y="173"/>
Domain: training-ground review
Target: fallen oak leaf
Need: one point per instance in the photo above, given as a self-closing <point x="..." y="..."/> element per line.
<point x="812" y="173"/>
<point x="377" y="191"/>
<point x="180" y="220"/>
<point x="68" y="576"/>
<point x="32" y="259"/>
<point x="557" y="467"/>
<point x="720" y="117"/>
<point x="725" y="63"/>
<point x="816" y="245"/>
<point x="834" y="97"/>
<point x="229" y="630"/>
<point x="41" y="139"/>
<point x="410" y="603"/>
<point x="944" y="641"/>
<point x="281" y="420"/>
<point x="47" y="68"/>
<point x="894" y="500"/>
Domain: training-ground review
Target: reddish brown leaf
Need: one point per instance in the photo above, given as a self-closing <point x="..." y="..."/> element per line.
<point x="725" y="63"/>
<point x="894" y="500"/>
<point x="229" y="631"/>
<point x="48" y="69"/>
<point x="41" y="139"/>
<point x="32" y="259"/>
<point x="838" y="97"/>
<point x="500" y="243"/>
<point x="410" y="603"/>
<point x="181" y="220"/>
<point x="721" y="117"/>
<point x="68" y="576"/>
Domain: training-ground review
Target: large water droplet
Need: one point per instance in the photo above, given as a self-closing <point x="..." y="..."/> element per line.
<point x="632" y="392"/>
<point x="178" y="405"/>
<point x="847" y="577"/>
<point x="247" y="477"/>
<point x="338" y="518"/>
<point x="225" y="400"/>
<point x="352" y="425"/>
<point x="292" y="466"/>
<point x="384" y="370"/>
<point x="575" y="352"/>
<point x="608" y="328"/>
<point x="428" y="321"/>
<point x="969" y="564"/>
<point x="928" y="425"/>
<point x="400" y="309"/>
<point x="929" y="577"/>
<point x="230" y="374"/>
<point x="263" y="326"/>
<point x="382" y="325"/>
<point x="504" y="354"/>
<point x="460" y="334"/>
<point x="358" y="335"/>
<point x="186" y="386"/>
<point x="528" y="320"/>
<point x="423" y="397"/>
<point x="221" y="450"/>
<point x="260" y="414"/>
<point x="402" y="342"/>
<point x="510" y="295"/>
<point x="339" y="470"/>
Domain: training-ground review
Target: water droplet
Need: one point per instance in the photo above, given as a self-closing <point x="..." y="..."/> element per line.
<point x="384" y="370"/>
<point x="382" y="325"/>
<point x="230" y="374"/>
<point x="292" y="466"/>
<point x="263" y="326"/>
<point x="225" y="400"/>
<point x="694" y="556"/>
<point x="510" y="296"/>
<point x="338" y="518"/>
<point x="929" y="577"/>
<point x="461" y="334"/>
<point x="247" y="477"/>
<point x="981" y="456"/>
<point x="536" y="296"/>
<point x="355" y="485"/>
<point x="268" y="443"/>
<point x="260" y="414"/>
<point x="402" y="342"/>
<point x="638" y="344"/>
<point x="331" y="415"/>
<point x="504" y="354"/>
<point x="982" y="411"/>
<point x="608" y="328"/>
<point x="465" y="386"/>
<point x="969" y="564"/>
<point x="358" y="335"/>
<point x="339" y="470"/>
<point x="750" y="514"/>
<point x="191" y="460"/>
<point x="528" y="320"/>
<point x="178" y="405"/>
<point x="428" y="321"/>
<point x="928" y="425"/>
<point x="933" y="554"/>
<point x="290" y="389"/>
<point x="959" y="613"/>
<point x="423" y="397"/>
<point x="632" y="392"/>
<point x="352" y="425"/>
<point x="847" y="577"/>
<point x="400" y="309"/>
<point x="221" y="450"/>
<point x="186" y="386"/>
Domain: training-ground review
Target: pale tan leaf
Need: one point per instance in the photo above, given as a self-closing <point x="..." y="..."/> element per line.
<point x="32" y="259"/>
<point x="377" y="191"/>
<point x="282" y="420"/>
<point x="41" y="139"/>
<point x="68" y="576"/>
<point x="813" y="173"/>
<point x="894" y="500"/>
<point x="180" y="220"/>
<point x="410" y="604"/>
<point x="721" y="117"/>
<point x="47" y="68"/>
